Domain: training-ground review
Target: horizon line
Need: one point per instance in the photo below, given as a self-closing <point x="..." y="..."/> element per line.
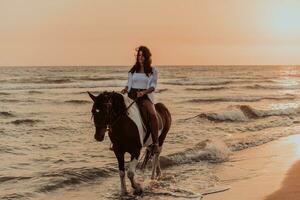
<point x="169" y="65"/>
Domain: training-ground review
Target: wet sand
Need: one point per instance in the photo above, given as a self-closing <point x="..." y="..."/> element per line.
<point x="290" y="188"/>
<point x="258" y="172"/>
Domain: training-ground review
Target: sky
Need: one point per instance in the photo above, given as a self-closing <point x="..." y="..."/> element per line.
<point x="178" y="32"/>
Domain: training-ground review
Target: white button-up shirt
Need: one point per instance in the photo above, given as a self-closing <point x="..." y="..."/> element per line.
<point x="142" y="81"/>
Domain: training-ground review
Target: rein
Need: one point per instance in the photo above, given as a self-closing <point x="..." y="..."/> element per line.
<point x="109" y="126"/>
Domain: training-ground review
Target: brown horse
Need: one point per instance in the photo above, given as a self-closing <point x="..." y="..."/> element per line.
<point x="111" y="114"/>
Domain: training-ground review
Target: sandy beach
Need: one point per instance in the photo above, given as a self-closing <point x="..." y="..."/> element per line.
<point x="290" y="185"/>
<point x="268" y="172"/>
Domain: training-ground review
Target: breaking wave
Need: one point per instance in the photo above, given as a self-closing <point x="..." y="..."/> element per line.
<point x="62" y="80"/>
<point x="26" y="121"/>
<point x="273" y="87"/>
<point x="242" y="99"/>
<point x="74" y="176"/>
<point x="12" y="178"/>
<point x="85" y="92"/>
<point x="16" y="100"/>
<point x="89" y="78"/>
<point x="9" y="100"/>
<point x="64" y="86"/>
<point x="215" y="82"/>
<point x="241" y="113"/>
<point x="77" y="101"/>
<point x="17" y="196"/>
<point x="161" y="90"/>
<point x="35" y="92"/>
<point x="208" y="150"/>
<point x="207" y="88"/>
<point x="4" y="93"/>
<point x="6" y="114"/>
<point x="195" y="82"/>
<point x="45" y="80"/>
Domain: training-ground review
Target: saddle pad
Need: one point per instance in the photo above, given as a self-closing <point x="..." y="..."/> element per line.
<point x="135" y="116"/>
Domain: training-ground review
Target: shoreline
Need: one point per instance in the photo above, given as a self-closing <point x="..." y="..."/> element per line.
<point x="259" y="172"/>
<point x="289" y="189"/>
<point x="250" y="174"/>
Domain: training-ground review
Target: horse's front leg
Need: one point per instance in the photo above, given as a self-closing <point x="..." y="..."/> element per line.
<point x="131" y="172"/>
<point x="120" y="157"/>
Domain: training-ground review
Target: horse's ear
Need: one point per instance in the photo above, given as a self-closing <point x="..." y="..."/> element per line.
<point x="118" y="102"/>
<point x="92" y="96"/>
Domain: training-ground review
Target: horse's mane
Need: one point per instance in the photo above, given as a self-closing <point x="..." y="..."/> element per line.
<point x="118" y="104"/>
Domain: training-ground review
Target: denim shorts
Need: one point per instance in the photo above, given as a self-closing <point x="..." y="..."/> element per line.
<point x="133" y="93"/>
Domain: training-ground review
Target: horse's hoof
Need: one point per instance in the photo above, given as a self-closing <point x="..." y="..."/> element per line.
<point x="124" y="193"/>
<point x="138" y="191"/>
<point x="158" y="175"/>
<point x="127" y="197"/>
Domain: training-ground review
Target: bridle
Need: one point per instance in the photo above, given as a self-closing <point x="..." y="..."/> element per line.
<point x="108" y="113"/>
<point x="108" y="118"/>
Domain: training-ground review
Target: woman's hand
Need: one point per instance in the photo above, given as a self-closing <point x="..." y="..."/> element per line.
<point x="140" y="94"/>
<point x="125" y="90"/>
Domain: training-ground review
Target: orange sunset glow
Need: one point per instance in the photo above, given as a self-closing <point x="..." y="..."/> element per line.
<point x="192" y="32"/>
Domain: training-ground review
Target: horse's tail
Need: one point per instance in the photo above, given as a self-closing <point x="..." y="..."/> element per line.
<point x="166" y="115"/>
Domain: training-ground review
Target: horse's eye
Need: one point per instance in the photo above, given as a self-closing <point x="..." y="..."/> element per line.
<point x="94" y="111"/>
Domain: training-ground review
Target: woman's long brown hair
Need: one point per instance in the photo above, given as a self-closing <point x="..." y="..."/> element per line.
<point x="147" y="62"/>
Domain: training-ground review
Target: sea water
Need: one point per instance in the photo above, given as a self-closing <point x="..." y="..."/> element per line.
<point x="47" y="147"/>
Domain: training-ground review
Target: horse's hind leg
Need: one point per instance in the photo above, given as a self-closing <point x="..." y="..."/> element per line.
<point x="158" y="169"/>
<point x="155" y="164"/>
<point x="131" y="172"/>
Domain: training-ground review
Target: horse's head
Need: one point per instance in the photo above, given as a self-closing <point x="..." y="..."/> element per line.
<point x="107" y="106"/>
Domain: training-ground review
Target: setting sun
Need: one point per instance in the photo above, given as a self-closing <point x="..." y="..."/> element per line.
<point x="283" y="20"/>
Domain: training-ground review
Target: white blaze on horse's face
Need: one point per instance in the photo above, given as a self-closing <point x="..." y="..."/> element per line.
<point x="101" y="113"/>
<point x="98" y="116"/>
<point x="100" y="126"/>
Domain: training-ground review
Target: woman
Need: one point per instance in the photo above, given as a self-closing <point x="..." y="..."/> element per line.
<point x="142" y="81"/>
